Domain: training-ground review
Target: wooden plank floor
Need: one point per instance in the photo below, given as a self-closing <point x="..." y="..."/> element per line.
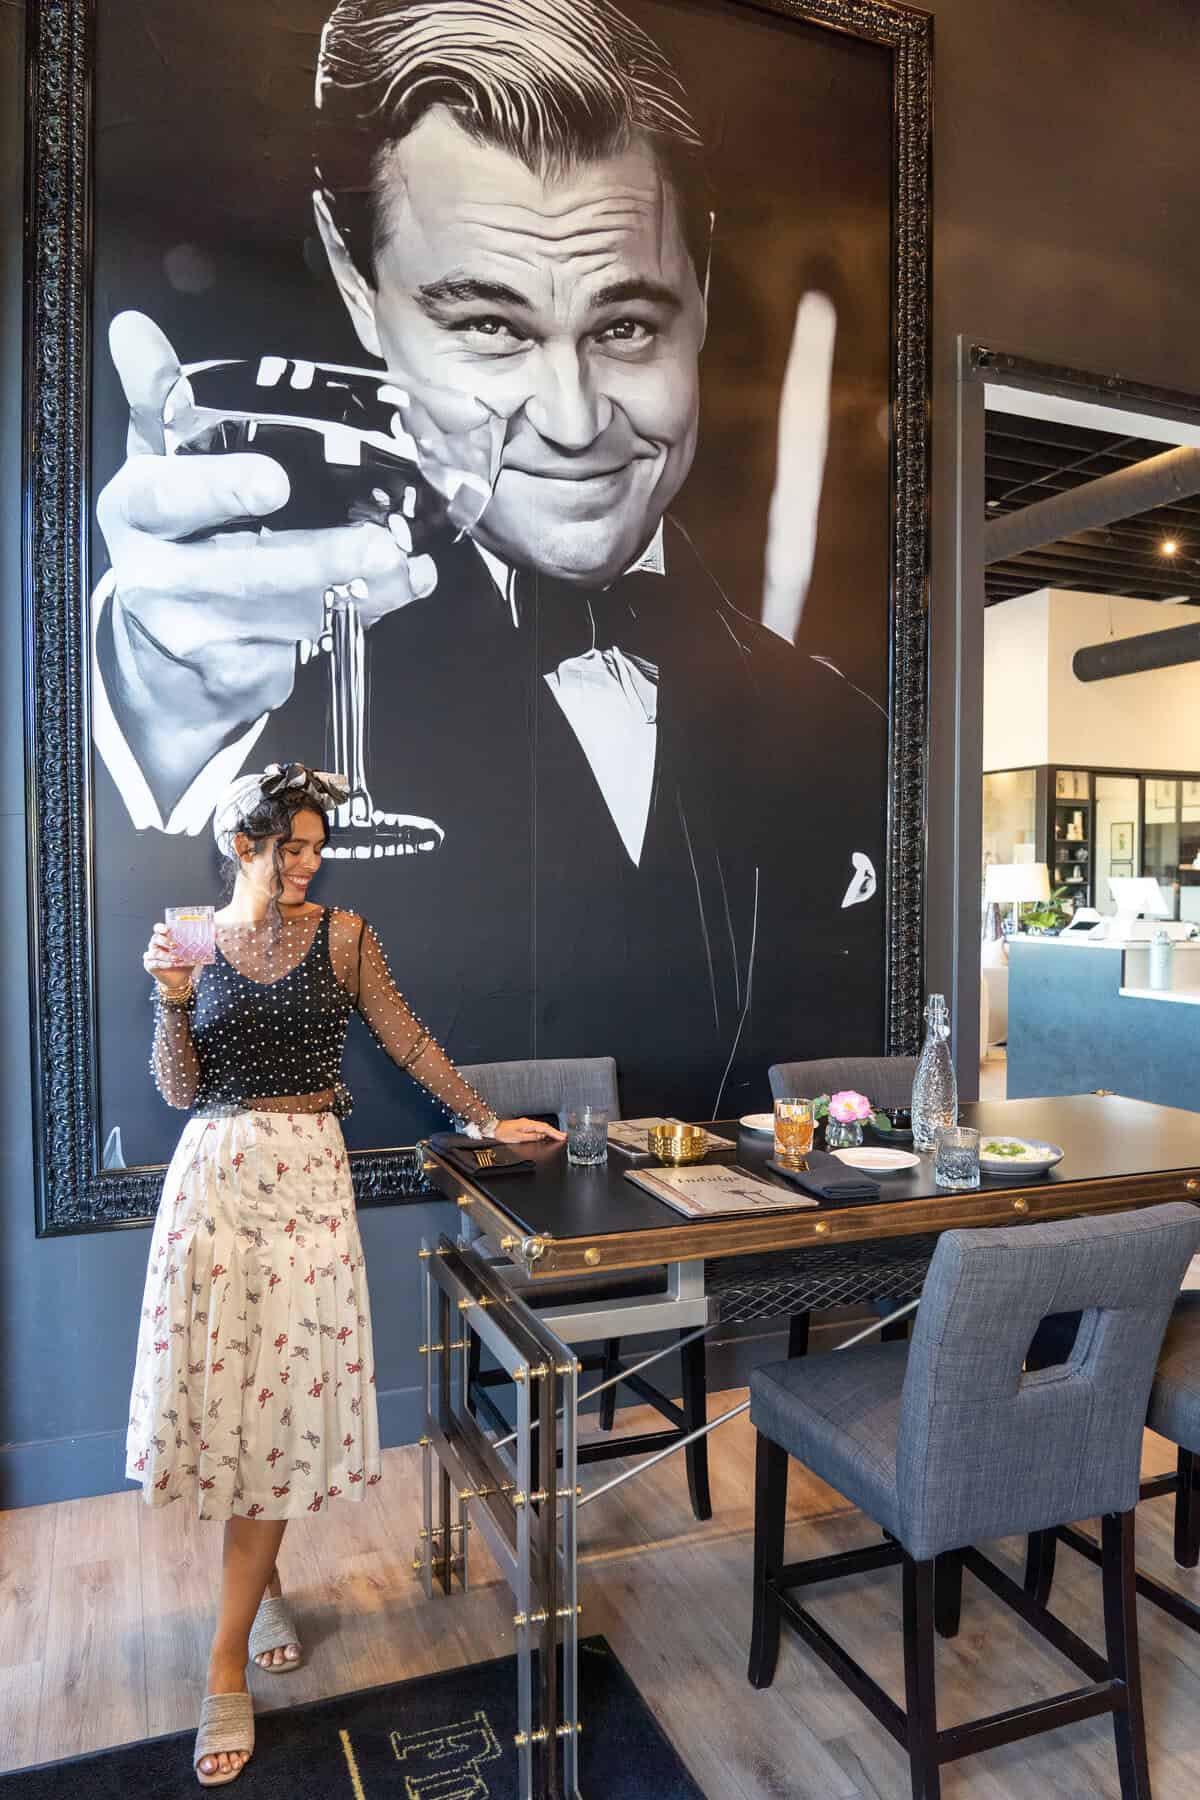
<point x="105" y="1607"/>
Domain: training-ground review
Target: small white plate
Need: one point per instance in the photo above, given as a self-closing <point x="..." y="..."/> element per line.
<point x="758" y="1122"/>
<point x="878" y="1162"/>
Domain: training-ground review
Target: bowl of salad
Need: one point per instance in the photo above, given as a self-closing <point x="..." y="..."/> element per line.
<point x="1017" y="1156"/>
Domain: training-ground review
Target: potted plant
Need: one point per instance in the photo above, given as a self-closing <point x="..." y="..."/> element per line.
<point x="1047" y="916"/>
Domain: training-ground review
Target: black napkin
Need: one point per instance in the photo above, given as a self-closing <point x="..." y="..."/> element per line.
<point x="482" y="1157"/>
<point x="828" y="1178"/>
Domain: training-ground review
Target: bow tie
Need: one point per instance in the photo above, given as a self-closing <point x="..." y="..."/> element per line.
<point x="566" y="621"/>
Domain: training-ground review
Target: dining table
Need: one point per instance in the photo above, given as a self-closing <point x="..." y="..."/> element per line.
<point x="546" y="1258"/>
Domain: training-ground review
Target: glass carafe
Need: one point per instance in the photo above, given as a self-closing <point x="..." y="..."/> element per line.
<point x="935" y="1089"/>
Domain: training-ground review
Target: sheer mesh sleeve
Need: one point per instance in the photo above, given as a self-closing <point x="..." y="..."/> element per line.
<point x="173" y="1060"/>
<point x="361" y="967"/>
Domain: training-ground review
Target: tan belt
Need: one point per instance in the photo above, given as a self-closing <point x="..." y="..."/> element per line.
<point x="287" y="1103"/>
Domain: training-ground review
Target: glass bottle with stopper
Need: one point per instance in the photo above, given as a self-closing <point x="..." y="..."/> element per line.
<point x="935" y="1089"/>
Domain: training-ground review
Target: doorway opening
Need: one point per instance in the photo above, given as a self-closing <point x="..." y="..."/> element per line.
<point x="1079" y="635"/>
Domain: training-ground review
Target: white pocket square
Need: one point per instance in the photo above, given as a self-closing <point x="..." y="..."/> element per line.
<point x="862" y="883"/>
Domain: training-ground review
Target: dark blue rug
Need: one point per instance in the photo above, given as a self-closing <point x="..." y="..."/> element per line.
<point x="438" y="1737"/>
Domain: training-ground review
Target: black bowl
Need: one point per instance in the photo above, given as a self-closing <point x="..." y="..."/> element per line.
<point x="899" y="1124"/>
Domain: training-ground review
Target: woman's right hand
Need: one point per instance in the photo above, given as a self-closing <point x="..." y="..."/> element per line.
<point x="160" y="962"/>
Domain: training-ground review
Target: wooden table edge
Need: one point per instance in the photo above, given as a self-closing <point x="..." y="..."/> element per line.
<point x="546" y="1257"/>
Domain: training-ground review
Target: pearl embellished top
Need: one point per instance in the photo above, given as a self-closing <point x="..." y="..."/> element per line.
<point x="267" y="1026"/>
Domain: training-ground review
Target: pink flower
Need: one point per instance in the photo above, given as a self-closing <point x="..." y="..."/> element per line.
<point x="847" y="1107"/>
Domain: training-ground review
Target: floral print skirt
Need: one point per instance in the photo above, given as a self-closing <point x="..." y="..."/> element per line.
<point x="254" y="1387"/>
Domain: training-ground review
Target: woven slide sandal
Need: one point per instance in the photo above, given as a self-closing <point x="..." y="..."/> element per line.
<point x="273" y="1628"/>
<point x="226" y="1723"/>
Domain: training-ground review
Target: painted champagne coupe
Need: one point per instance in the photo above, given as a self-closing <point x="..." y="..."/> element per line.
<point x="358" y="446"/>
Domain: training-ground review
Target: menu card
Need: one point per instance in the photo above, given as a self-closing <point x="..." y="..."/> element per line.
<point x="713" y="1190"/>
<point x="630" y="1136"/>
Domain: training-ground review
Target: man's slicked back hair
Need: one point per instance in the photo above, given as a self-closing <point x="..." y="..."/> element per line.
<point x="553" y="83"/>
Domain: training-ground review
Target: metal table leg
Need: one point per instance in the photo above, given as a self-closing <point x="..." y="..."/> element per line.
<point x="425" y="1546"/>
<point x="511" y="1489"/>
<point x="445" y="1548"/>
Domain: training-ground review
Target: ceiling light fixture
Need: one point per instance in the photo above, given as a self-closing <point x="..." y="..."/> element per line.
<point x="1169" y="547"/>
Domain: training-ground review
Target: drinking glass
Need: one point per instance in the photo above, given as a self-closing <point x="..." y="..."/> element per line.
<point x="956" y="1157"/>
<point x="587" y="1136"/>
<point x="193" y="934"/>
<point x="793" y="1131"/>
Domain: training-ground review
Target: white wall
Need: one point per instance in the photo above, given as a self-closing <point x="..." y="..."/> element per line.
<point x="1016" y="648"/>
<point x="1149" y="721"/>
<point x="1036" y="711"/>
<point x="1010" y="822"/>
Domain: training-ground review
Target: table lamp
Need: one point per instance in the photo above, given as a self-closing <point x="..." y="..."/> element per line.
<point x="1017" y="884"/>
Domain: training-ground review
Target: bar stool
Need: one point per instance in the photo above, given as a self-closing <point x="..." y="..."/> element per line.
<point x="950" y="1440"/>
<point x="1174" y="1413"/>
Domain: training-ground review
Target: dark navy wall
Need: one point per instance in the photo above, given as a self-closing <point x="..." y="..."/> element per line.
<point x="1070" y="1030"/>
<point x="1064" y="221"/>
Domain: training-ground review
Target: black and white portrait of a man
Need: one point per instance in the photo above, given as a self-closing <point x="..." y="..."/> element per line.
<point x="507" y="560"/>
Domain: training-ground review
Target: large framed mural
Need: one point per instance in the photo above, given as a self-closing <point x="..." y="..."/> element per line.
<point x="519" y="406"/>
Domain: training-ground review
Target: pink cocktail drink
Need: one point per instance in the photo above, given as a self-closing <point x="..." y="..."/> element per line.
<point x="193" y="934"/>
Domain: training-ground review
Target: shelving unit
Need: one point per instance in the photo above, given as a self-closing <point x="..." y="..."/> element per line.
<point x="1071" y="858"/>
<point x="1161" y="815"/>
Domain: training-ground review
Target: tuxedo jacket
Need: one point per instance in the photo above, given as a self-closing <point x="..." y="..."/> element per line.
<point x="529" y="931"/>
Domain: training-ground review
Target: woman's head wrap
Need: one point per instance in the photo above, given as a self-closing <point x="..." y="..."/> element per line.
<point x="293" y="782"/>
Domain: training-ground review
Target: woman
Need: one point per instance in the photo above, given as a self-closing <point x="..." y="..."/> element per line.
<point x="254" y="1385"/>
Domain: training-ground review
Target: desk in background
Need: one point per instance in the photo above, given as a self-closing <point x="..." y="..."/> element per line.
<point x="1083" y="1016"/>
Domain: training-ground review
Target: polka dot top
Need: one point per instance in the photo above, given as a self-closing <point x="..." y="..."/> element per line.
<point x="267" y="1026"/>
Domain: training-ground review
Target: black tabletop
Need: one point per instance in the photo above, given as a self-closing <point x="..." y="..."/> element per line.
<point x="1103" y="1137"/>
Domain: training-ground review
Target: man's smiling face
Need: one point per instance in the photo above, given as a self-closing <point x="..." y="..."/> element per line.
<point x="570" y="306"/>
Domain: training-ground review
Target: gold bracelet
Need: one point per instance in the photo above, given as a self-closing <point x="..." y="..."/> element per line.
<point x="180" y="1000"/>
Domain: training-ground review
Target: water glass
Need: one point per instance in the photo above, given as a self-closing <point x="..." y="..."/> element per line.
<point x="956" y="1157"/>
<point x="193" y="934"/>
<point x="793" y="1131"/>
<point x="587" y="1136"/>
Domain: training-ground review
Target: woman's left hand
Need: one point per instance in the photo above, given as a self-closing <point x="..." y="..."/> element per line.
<point x="524" y="1131"/>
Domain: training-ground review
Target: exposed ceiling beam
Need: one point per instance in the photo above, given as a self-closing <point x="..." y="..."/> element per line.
<point x="1172" y="573"/>
<point x="1086" y="415"/>
<point x="1173" y="475"/>
<point x="1062" y="481"/>
<point x="1053" y="567"/>
<point x="1006" y="581"/>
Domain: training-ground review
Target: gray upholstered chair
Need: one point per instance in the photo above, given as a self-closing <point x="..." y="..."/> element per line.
<point x="1174" y="1413"/>
<point x="886" y="1081"/>
<point x="546" y="1086"/>
<point x="952" y="1440"/>
<point x="551" y="1087"/>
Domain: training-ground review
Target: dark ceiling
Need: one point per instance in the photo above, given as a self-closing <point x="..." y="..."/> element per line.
<point x="1030" y="459"/>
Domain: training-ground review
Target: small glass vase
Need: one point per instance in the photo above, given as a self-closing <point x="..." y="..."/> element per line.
<point x="843" y="1134"/>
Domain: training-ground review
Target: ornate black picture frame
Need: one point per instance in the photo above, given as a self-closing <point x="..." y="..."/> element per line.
<point x="74" y="1191"/>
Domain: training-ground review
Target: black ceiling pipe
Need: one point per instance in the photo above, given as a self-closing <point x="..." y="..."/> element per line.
<point x="1135" y="655"/>
<point x="1143" y="486"/>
